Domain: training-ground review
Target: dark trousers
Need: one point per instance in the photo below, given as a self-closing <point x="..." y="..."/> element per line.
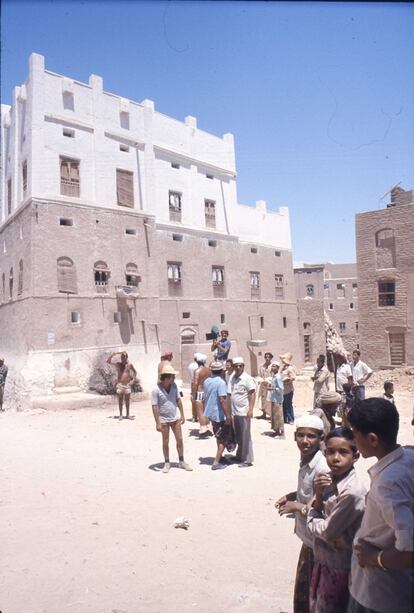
<point x="359" y="392"/>
<point x="355" y="607"/>
<point x="288" y="415"/>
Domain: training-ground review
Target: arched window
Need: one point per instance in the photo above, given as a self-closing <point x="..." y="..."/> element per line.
<point x="101" y="274"/>
<point x="11" y="283"/>
<point x="66" y="276"/>
<point x="385" y="248"/>
<point x="132" y="278"/>
<point x="188" y="336"/>
<point x="20" y="281"/>
<point x="310" y="290"/>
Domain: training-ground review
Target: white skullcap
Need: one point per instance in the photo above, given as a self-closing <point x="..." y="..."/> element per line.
<point x="197" y="356"/>
<point x="275" y="364"/>
<point x="201" y="358"/>
<point x="309" y="421"/>
<point x="238" y="360"/>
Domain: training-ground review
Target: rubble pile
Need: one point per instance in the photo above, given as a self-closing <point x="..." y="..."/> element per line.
<point x="402" y="377"/>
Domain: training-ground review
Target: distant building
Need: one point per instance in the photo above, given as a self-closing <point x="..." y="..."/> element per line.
<point x="331" y="288"/>
<point x="120" y="227"/>
<point x="385" y="263"/>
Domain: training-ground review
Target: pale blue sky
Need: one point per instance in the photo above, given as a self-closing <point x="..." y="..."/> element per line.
<point x="319" y="96"/>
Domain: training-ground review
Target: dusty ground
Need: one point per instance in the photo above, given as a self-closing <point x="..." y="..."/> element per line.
<point x="86" y="517"/>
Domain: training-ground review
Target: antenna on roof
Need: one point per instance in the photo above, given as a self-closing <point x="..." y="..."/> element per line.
<point x="388" y="192"/>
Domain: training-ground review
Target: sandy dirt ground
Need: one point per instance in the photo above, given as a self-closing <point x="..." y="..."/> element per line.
<point x="86" y="516"/>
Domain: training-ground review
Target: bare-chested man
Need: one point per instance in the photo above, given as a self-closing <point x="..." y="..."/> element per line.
<point x="197" y="391"/>
<point x="126" y="376"/>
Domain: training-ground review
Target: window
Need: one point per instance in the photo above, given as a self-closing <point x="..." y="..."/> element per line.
<point x="253" y="249"/>
<point x="64" y="221"/>
<point x="11" y="283"/>
<point x="174" y="273"/>
<point x="351" y="305"/>
<point x="212" y="243"/>
<point x="124" y="148"/>
<point x="210" y="213"/>
<point x="132" y="277"/>
<point x="188" y="336"/>
<point x="355" y="286"/>
<point x="340" y="290"/>
<point x="124" y="188"/>
<point x="175" y="165"/>
<point x="209" y="176"/>
<point x="284" y="321"/>
<point x="306" y="326"/>
<point x="20" y="280"/>
<point x="385" y="248"/>
<point x="222" y="318"/>
<point x="69" y="177"/>
<point x="66" y="276"/>
<point x="101" y="275"/>
<point x="277" y="254"/>
<point x="331" y="306"/>
<point x="69" y="133"/>
<point x="386" y="293"/>
<point x="68" y="100"/>
<point x="261" y="321"/>
<point x="186" y="315"/>
<point x="24" y="177"/>
<point x="124" y="120"/>
<point x="174" y="203"/>
<point x="130" y="231"/>
<point x="9" y="197"/>
<point x="255" y="284"/>
<point x="217" y="275"/>
<point x="342" y="326"/>
<point x="117" y="317"/>
<point x="326" y="290"/>
<point x="310" y="290"/>
<point x="177" y="237"/>
<point x="279" y="287"/>
<point x="356" y="326"/>
<point x="75" y="317"/>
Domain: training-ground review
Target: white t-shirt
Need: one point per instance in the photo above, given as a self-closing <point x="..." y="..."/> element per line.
<point x="342" y="374"/>
<point x="359" y="371"/>
<point x="239" y="388"/>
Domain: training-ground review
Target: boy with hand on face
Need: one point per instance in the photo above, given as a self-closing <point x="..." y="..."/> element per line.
<point x="308" y="437"/>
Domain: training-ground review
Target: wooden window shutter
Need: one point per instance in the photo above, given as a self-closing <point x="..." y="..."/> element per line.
<point x="66" y="276"/>
<point x="125" y="188"/>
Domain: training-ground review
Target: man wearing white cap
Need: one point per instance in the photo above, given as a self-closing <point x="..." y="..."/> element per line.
<point x="168" y="413"/>
<point x="276" y="397"/>
<point x="216" y="409"/>
<point x="308" y="437"/>
<point x="242" y="392"/>
<point x="197" y="390"/>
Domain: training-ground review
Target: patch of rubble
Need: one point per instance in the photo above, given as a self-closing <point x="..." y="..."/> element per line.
<point x="402" y="377"/>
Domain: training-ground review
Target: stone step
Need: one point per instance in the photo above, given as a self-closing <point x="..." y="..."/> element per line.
<point x="67" y="390"/>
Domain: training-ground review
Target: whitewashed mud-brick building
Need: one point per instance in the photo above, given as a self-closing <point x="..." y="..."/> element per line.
<point x="120" y="227"/>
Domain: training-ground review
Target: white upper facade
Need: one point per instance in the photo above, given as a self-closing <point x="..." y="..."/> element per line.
<point x="63" y="140"/>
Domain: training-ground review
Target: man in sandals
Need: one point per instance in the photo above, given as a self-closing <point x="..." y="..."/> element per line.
<point x="169" y="414"/>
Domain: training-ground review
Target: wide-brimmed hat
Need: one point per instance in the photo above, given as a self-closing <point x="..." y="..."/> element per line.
<point x="286" y="357"/>
<point x="216" y="366"/>
<point x="168" y="370"/>
<point x="330" y="398"/>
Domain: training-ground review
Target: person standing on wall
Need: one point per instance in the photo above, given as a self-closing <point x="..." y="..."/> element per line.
<point x="221" y="347"/>
<point x="288" y="374"/>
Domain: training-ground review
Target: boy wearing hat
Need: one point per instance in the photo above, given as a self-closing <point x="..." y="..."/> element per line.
<point x="329" y="404"/>
<point x="308" y="437"/>
<point x="216" y="409"/>
<point x="168" y="413"/>
<point x="242" y="393"/>
<point x="288" y="375"/>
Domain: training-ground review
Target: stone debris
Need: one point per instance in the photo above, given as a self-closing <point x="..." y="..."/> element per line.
<point x="181" y="522"/>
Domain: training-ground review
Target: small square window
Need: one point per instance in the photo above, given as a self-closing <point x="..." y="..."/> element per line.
<point x="175" y="165"/>
<point x="331" y="306"/>
<point x="354" y="285"/>
<point x="117" y="317"/>
<point x="277" y="254"/>
<point x="124" y="148"/>
<point x="186" y="315"/>
<point x="68" y="132"/>
<point x="209" y="176"/>
<point x="351" y="305"/>
<point x="342" y="326"/>
<point x="75" y="317"/>
<point x="131" y="231"/>
<point x="65" y="221"/>
<point x="253" y="249"/>
<point x="284" y="322"/>
<point x="212" y="243"/>
<point x="222" y="318"/>
<point x="356" y="326"/>
<point x="177" y="237"/>
<point x="262" y="323"/>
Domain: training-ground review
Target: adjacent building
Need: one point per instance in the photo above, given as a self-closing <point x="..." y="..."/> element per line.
<point x="385" y="263"/>
<point x="120" y="227"/>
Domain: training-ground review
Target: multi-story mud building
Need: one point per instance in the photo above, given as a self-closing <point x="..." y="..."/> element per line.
<point x="385" y="262"/>
<point x="120" y="227"/>
<point x="333" y="289"/>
